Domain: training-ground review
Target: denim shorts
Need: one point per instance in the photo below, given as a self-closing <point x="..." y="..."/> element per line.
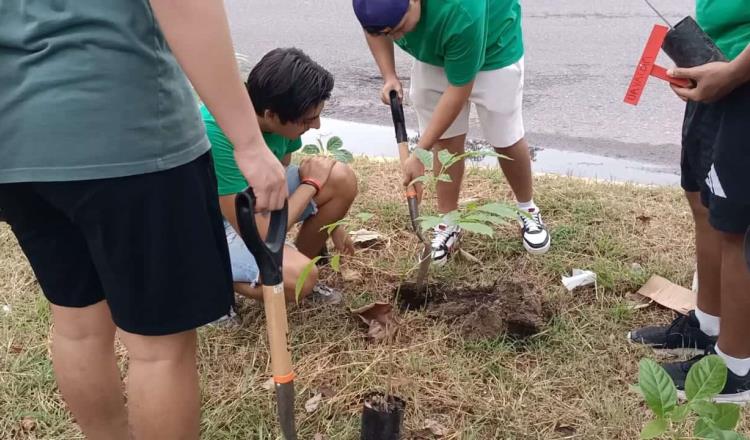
<point x="244" y="267"/>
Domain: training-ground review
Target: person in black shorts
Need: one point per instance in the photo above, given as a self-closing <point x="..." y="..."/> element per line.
<point x="716" y="180"/>
<point x="107" y="183"/>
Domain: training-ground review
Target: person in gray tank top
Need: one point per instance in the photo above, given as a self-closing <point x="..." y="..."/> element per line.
<point x="106" y="183"/>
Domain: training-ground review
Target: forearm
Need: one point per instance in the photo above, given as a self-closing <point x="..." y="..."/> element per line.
<point x="447" y="110"/>
<point x="198" y="34"/>
<point x="741" y="67"/>
<point x="381" y="48"/>
<point x="298" y="201"/>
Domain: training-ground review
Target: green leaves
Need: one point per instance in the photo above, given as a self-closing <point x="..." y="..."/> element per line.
<point x="336" y="263"/>
<point x="654" y="428"/>
<point x="657" y="387"/>
<point x="445" y="157"/>
<point x="429" y="222"/>
<point x="333" y="148"/>
<point x="425" y="157"/>
<point x="310" y="149"/>
<point x="303" y="276"/>
<point x="343" y="156"/>
<point x="479" y="228"/>
<point x="334" y="144"/>
<point x="499" y="209"/>
<point x="727" y="415"/>
<point x="706" y="378"/>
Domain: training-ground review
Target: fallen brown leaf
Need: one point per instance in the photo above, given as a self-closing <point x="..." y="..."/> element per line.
<point x="435" y="427"/>
<point x="319" y="436"/>
<point x="380" y="320"/>
<point x="644" y="218"/>
<point x="351" y="275"/>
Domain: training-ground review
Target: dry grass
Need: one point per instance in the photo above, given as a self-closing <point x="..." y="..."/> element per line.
<point x="571" y="381"/>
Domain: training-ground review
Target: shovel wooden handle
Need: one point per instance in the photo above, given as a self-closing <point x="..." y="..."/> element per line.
<point x="277" y="328"/>
<point x="269" y="254"/>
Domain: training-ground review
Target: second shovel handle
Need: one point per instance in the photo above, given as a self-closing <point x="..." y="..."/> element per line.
<point x="277" y="327"/>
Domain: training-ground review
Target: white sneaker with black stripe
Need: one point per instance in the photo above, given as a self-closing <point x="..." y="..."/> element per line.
<point x="536" y="238"/>
<point x="445" y="242"/>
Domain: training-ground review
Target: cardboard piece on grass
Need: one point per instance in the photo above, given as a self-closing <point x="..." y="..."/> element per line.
<point x="379" y="318"/>
<point x="579" y="278"/>
<point x="668" y="294"/>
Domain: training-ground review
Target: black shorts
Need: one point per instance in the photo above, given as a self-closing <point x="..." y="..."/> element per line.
<point x="151" y="245"/>
<point x="716" y="158"/>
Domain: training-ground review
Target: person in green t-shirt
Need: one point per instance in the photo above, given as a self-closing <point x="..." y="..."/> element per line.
<point x="289" y="91"/>
<point x="466" y="51"/>
<point x="716" y="180"/>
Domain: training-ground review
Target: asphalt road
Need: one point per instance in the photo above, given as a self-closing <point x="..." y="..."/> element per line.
<point x="580" y="56"/>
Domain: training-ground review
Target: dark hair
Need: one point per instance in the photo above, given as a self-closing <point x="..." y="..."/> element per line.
<point x="288" y="83"/>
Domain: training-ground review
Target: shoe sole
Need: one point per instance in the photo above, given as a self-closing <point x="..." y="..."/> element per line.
<point x="537" y="251"/>
<point x="682" y="351"/>
<point x="740" y="399"/>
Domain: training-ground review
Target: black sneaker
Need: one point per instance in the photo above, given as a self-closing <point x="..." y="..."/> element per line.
<point x="736" y="390"/>
<point x="682" y="336"/>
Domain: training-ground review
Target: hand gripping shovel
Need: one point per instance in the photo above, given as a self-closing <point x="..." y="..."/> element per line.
<point x="399" y="123"/>
<point x="269" y="255"/>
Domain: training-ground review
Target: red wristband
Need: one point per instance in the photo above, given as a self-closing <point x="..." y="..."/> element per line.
<point x="314" y="183"/>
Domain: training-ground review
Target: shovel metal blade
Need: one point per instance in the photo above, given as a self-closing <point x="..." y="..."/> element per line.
<point x="285" y="408"/>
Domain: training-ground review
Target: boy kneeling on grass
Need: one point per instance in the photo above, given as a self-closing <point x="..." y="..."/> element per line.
<point x="289" y="91"/>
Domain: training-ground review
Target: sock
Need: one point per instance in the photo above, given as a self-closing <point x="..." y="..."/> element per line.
<point x="709" y="323"/>
<point x="529" y="206"/>
<point x="740" y="367"/>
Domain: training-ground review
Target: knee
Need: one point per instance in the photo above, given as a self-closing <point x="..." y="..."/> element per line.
<point x="344" y="181"/>
<point x="167" y="348"/>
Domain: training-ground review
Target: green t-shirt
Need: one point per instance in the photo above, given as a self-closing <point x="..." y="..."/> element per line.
<point x="727" y="22"/>
<point x="228" y="175"/>
<point x="89" y="89"/>
<point x="466" y="36"/>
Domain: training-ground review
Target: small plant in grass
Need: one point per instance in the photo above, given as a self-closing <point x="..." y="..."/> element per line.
<point x="672" y="420"/>
<point x="334" y="148"/>
<point x="473" y="217"/>
<point x="358" y="220"/>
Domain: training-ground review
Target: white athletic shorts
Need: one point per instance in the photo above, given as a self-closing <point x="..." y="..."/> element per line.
<point x="497" y="96"/>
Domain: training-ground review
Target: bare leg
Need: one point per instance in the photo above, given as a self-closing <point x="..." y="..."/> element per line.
<point x="333" y="201"/>
<point x="518" y="170"/>
<point x="163" y="392"/>
<point x="86" y="370"/>
<point x="293" y="265"/>
<point x="709" y="256"/>
<point x="735" y="296"/>
<point x="448" y="192"/>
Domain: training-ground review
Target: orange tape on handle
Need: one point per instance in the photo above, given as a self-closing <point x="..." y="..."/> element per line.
<point x="285" y="378"/>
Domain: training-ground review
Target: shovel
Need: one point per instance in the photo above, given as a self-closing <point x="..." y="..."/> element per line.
<point x="399" y="123"/>
<point x="269" y="254"/>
